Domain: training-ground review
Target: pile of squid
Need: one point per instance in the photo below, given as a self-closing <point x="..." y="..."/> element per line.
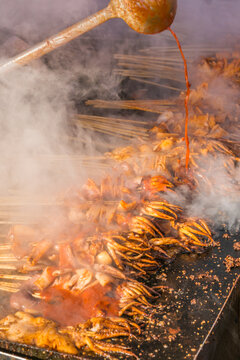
<point x="88" y="266"/>
<point x="226" y="64"/>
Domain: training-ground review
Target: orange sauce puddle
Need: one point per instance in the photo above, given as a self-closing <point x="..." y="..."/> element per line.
<point x="71" y="308"/>
<point x="187" y="96"/>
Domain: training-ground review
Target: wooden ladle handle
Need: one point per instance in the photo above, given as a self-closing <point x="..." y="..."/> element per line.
<point x="58" y="40"/>
<point x="144" y="16"/>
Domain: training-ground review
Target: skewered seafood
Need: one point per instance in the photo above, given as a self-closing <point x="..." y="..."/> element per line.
<point x="161" y="210"/>
<point x="115" y="230"/>
<point x="226" y="64"/>
<point x="23" y="327"/>
<point x="92" y="332"/>
<point x="86" y="271"/>
<point x="189" y="230"/>
<point x="72" y="296"/>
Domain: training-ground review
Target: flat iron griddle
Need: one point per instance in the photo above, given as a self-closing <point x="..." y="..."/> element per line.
<point x="202" y="288"/>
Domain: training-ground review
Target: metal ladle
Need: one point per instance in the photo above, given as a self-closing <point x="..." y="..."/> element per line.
<point x="143" y="16"/>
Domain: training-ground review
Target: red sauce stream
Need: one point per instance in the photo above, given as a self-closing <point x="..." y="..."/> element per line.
<point x="187" y="95"/>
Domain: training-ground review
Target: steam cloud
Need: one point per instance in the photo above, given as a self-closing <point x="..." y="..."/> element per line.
<point x="36" y="100"/>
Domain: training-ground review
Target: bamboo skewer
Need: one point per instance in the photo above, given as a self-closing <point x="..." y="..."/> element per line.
<point x="112" y="120"/>
<point x="111" y="123"/>
<point x="9" y="256"/>
<point x="111" y="133"/>
<point x="96" y="125"/>
<point x="10" y="284"/>
<point x="142" y="58"/>
<point x="7" y="267"/>
<point x="5" y="247"/>
<point x="111" y="126"/>
<point x="21" y="202"/>
<point x="8" y="289"/>
<point x="116" y="133"/>
<point x="157" y="84"/>
<point x="131" y="103"/>
<point x="148" y="74"/>
<point x="151" y="64"/>
<point x="150" y="69"/>
<point x="186" y="48"/>
<point x="155" y="106"/>
<point x="155" y="65"/>
<point x="114" y="128"/>
<point x="21" y="222"/>
<point x="8" y="259"/>
<point x="15" y="277"/>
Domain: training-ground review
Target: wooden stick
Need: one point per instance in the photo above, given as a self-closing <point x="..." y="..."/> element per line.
<point x="110" y="133"/>
<point x="150" y="67"/>
<point x="129" y="129"/>
<point x="8" y="289"/>
<point x="140" y="106"/>
<point x="144" y="57"/>
<point x="112" y="130"/>
<point x="115" y="131"/>
<point x="8" y="259"/>
<point x="7" y="267"/>
<point x="5" y="247"/>
<point x="15" y="277"/>
<point x="133" y="104"/>
<point x="8" y="222"/>
<point x="157" y="84"/>
<point x="187" y="48"/>
<point x="59" y="39"/>
<point x="148" y="74"/>
<point x="110" y="119"/>
<point x="10" y="284"/>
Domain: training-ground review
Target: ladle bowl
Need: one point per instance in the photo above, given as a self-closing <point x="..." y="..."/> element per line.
<point x="146" y="16"/>
<point x="143" y="16"/>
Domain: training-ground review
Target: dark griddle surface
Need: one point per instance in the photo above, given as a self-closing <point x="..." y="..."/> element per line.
<point x="196" y="302"/>
<point x="201" y="286"/>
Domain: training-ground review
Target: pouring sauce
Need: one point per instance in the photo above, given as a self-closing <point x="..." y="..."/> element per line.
<point x="186" y="97"/>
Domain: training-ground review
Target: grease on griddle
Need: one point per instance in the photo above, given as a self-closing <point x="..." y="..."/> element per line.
<point x="231" y="262"/>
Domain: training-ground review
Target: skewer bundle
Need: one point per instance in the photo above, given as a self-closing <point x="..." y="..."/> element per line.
<point x="160" y="66"/>
<point x="121" y="227"/>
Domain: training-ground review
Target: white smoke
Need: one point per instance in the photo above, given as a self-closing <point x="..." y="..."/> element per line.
<point x="219" y="201"/>
<point x="208" y="21"/>
<point x="33" y="111"/>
